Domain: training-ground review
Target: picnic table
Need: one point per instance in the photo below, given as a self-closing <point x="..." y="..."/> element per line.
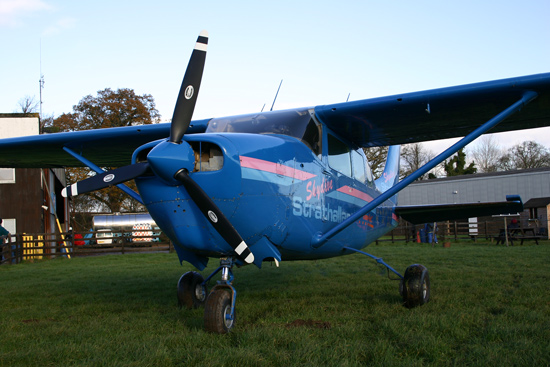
<point x="520" y="233"/>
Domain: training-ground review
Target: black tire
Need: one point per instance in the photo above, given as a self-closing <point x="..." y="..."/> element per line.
<point x="191" y="292"/>
<point x="218" y="305"/>
<point x="415" y="286"/>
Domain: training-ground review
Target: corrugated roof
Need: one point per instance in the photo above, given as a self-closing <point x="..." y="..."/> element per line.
<point x="537" y="203"/>
<point x="484" y="175"/>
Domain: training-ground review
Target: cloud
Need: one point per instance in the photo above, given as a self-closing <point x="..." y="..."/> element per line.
<point x="59" y="26"/>
<point x="11" y="11"/>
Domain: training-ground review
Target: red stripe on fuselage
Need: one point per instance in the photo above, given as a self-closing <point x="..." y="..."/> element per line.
<point x="277" y="168"/>
<point x="355" y="193"/>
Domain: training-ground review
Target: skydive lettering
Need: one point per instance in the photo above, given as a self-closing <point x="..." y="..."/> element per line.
<point x="315" y="191"/>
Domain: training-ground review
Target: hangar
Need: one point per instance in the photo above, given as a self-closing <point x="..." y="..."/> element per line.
<point x="532" y="185"/>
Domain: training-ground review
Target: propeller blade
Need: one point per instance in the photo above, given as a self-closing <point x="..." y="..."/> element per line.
<point x="106" y="179"/>
<point x="215" y="216"/>
<point x="183" y="112"/>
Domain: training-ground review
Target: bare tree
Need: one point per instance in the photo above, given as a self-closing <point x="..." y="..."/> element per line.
<point x="414" y="156"/>
<point x="376" y="156"/>
<point x="27" y="104"/>
<point x="528" y="154"/>
<point x="487" y="154"/>
<point x="46" y="122"/>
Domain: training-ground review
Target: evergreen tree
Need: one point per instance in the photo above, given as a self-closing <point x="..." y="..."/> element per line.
<point x="456" y="166"/>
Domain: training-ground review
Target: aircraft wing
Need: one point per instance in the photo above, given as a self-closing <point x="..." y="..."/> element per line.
<point x="400" y="119"/>
<point x="439" y="113"/>
<point x="417" y="214"/>
<point x="111" y="147"/>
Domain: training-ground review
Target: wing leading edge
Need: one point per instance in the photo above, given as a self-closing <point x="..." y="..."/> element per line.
<point x="439" y="113"/>
<point x="111" y="147"/>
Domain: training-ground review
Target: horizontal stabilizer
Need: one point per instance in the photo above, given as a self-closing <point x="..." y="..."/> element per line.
<point x="418" y="214"/>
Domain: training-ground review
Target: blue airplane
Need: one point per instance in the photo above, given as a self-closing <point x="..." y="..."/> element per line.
<point x="285" y="185"/>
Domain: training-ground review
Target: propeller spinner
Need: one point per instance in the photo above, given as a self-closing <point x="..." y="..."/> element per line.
<point x="170" y="171"/>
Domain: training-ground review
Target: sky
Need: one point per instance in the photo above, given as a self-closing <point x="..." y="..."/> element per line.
<point x="322" y="50"/>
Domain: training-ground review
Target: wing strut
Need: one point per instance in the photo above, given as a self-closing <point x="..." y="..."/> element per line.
<point x="98" y="170"/>
<point x="319" y="239"/>
<point x="378" y="260"/>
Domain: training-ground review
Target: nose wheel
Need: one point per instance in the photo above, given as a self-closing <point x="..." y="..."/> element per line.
<point x="219" y="305"/>
<point x="219" y="312"/>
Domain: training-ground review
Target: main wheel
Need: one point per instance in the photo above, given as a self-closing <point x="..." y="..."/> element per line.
<point x="191" y="291"/>
<point x="415" y="286"/>
<point x="217" y="312"/>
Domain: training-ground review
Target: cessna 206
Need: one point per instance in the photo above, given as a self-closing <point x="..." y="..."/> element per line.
<point x="285" y="185"/>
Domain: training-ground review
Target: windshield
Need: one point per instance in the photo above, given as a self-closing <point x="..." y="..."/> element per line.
<point x="295" y="123"/>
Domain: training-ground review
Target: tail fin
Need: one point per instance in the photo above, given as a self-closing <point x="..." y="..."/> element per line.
<point x="390" y="176"/>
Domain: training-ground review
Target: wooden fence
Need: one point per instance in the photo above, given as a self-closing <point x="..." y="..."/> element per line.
<point x="25" y="247"/>
<point x="35" y="246"/>
<point x="456" y="231"/>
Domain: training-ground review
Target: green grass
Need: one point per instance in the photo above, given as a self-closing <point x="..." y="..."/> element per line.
<point x="490" y="306"/>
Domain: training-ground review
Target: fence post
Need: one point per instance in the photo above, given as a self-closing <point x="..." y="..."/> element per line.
<point x="52" y="243"/>
<point x="456" y="231"/>
<point x="3" y="246"/>
<point x="72" y="243"/>
<point x="57" y="241"/>
<point x="9" y="258"/>
<point x="19" y="249"/>
<point x="123" y="240"/>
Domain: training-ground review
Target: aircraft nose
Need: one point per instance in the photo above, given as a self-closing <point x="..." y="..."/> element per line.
<point x="168" y="158"/>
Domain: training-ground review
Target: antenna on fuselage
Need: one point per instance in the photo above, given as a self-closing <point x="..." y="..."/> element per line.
<point x="348" y="97"/>
<point x="276" y="94"/>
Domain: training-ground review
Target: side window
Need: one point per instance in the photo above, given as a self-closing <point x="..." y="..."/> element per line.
<point x="370" y="178"/>
<point x="339" y="155"/>
<point x="312" y="137"/>
<point x="358" y="165"/>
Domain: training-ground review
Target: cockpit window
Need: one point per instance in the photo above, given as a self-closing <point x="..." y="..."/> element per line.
<point x="296" y="123"/>
<point x="339" y="155"/>
<point x="312" y="137"/>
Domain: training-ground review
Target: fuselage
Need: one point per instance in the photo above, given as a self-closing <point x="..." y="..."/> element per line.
<point x="279" y="179"/>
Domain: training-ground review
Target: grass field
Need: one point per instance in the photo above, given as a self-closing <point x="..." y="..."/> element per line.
<point x="490" y="306"/>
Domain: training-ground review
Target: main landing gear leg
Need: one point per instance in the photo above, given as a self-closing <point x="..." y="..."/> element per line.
<point x="219" y="306"/>
<point x="414" y="286"/>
